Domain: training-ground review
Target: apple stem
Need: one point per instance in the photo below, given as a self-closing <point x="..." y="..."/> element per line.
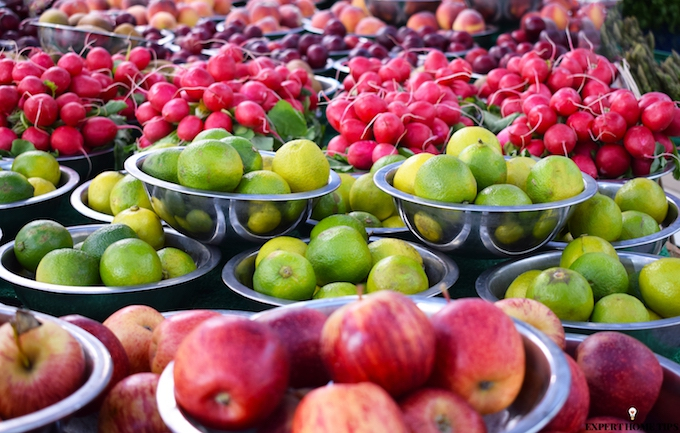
<point x="22" y="356"/>
<point x="443" y="424"/>
<point x="485" y="385"/>
<point x="223" y="398"/>
<point x="445" y="294"/>
<point x="360" y="290"/>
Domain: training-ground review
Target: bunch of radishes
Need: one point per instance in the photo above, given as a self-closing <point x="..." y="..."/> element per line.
<point x="388" y="105"/>
<point x="220" y="93"/>
<point x="569" y="107"/>
<point x="62" y="107"/>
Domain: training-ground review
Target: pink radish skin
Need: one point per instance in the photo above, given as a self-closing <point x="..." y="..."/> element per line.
<point x="109" y="89"/>
<point x="72" y="113"/>
<point x="189" y="128"/>
<point x="665" y="142"/>
<point x="85" y="86"/>
<point x="641" y="167"/>
<point x="7" y="136"/>
<point x="596" y="104"/>
<point x="369" y="82"/>
<point x="157" y="128"/>
<point x="126" y="73"/>
<point x="39" y="138"/>
<point x="360" y="154"/>
<point x="440" y="131"/>
<point x="519" y="134"/>
<point x="559" y="139"/>
<point x="658" y="116"/>
<point x="273" y="98"/>
<point x="72" y="63"/>
<point x="270" y="78"/>
<point x="624" y="102"/>
<point x="67" y="140"/>
<point x="152" y="78"/>
<point x="140" y="56"/>
<point x="145" y="112"/>
<point x="6" y="68"/>
<point x="41" y="110"/>
<point x="219" y="119"/>
<point x="66" y="98"/>
<point x="649" y="98"/>
<point x="535" y="147"/>
<point x="195" y="81"/>
<point x="348" y="83"/>
<point x="59" y="76"/>
<point x="31" y="85"/>
<point x="423" y="112"/>
<point x="673" y="129"/>
<point x="290" y="89"/>
<point x="565" y="101"/>
<point x="218" y="96"/>
<point x="535" y="70"/>
<point x="533" y="101"/>
<point x="42" y="59"/>
<point x="24" y="69"/>
<point x="594" y="88"/>
<point x="503" y="136"/>
<point x="98" y="59"/>
<point x="510" y="106"/>
<point x="609" y="127"/>
<point x="337" y="111"/>
<point x="368" y="105"/>
<point x="586" y="164"/>
<point x="337" y="144"/>
<point x="417" y="135"/>
<point x="494" y="76"/>
<point x="358" y="66"/>
<point x="434" y="61"/>
<point x="99" y="131"/>
<point x="387" y="128"/>
<point x="160" y="93"/>
<point x="355" y="130"/>
<point x="128" y="112"/>
<point x="251" y="115"/>
<point x="254" y="91"/>
<point x="9" y="98"/>
<point x="559" y="78"/>
<point x="295" y="103"/>
<point x="175" y="110"/>
<point x="383" y="149"/>
<point x="612" y="160"/>
<point x="448" y="111"/>
<point x="588" y="148"/>
<point x="639" y="142"/>
<point x="428" y="92"/>
<point x="542" y="117"/>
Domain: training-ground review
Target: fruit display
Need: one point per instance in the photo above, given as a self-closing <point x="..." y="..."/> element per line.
<point x="33" y="173"/>
<point x="271" y="16"/>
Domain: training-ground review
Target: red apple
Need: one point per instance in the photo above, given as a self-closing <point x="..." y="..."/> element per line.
<point x="281" y="421"/>
<point x="167" y="336"/>
<point x="134" y="325"/>
<point x="537" y="315"/>
<point x="131" y="407"/>
<point x="300" y="331"/>
<point x="230" y="372"/>
<point x="574" y="412"/>
<point x="621" y="372"/>
<point x="383" y="338"/>
<point x="41" y="364"/>
<point x="430" y="410"/>
<point x="121" y="363"/>
<point x="480" y="354"/>
<point x="348" y="408"/>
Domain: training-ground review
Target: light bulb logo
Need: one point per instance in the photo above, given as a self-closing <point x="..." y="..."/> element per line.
<point x="632" y="412"/>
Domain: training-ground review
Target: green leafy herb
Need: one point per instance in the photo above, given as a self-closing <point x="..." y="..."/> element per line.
<point x="288" y="122"/>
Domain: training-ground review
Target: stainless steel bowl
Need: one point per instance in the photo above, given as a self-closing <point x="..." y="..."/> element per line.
<point x="545" y="388"/>
<point x="481" y="231"/>
<point x="13" y="216"/>
<point x="329" y="86"/>
<point x="61" y="38"/>
<point x="237" y="274"/>
<point x="651" y="244"/>
<point x="662" y="336"/>
<point x="223" y="215"/>
<point x="98" y="302"/>
<point x="665" y="410"/>
<point x="79" y="202"/>
<point x="99" y="368"/>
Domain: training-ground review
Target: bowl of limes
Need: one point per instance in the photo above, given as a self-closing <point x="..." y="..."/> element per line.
<point x="332" y="265"/>
<point x="214" y="195"/>
<point x="637" y="216"/>
<point x="19" y="202"/>
<point x="68" y="274"/>
<point x="438" y="199"/>
<point x="602" y="290"/>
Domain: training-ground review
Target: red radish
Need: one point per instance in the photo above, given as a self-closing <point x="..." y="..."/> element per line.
<point x="109" y="89"/>
<point x="434" y="61"/>
<point x="337" y="144"/>
<point x="565" y="101"/>
<point x="99" y="131"/>
<point x="494" y="76"/>
<point x="218" y="96"/>
<point x="219" y="119"/>
<point x="146" y="112"/>
<point x="584" y="57"/>
<point x="41" y="110"/>
<point x="461" y="68"/>
<point x="559" y="139"/>
<point x="581" y="122"/>
<point x="369" y="82"/>
<point x="423" y="112"/>
<point x="255" y="91"/>
<point x="72" y="63"/>
<point x="31" y="85"/>
<point x="7" y="136"/>
<point x="24" y="69"/>
<point x="465" y="120"/>
<point x="624" y="102"/>
<point x="258" y="64"/>
<point x="143" y="142"/>
<point x="416" y="135"/>
<point x="140" y="56"/>
<point x="534" y="88"/>
<point x="440" y="131"/>
<point x="535" y="147"/>
<point x="658" y="116"/>
<point x="649" y="98"/>
<point x="666" y="142"/>
<point x="99" y="59"/>
<point x="189" y="128"/>
<point x="67" y="97"/>
<point x="641" y="167"/>
<point x="383" y="149"/>
<point x="42" y="59"/>
<point x="519" y="134"/>
<point x="612" y="160"/>
<point x="59" y="76"/>
<point x="67" y="140"/>
<point x="39" y="138"/>
<point x="387" y="128"/>
<point x="388" y="75"/>
<point x="513" y="64"/>
<point x="6" y="68"/>
<point x="559" y="78"/>
<point x="609" y="127"/>
<point x="355" y="130"/>
<point x="428" y="92"/>
<point x="542" y="117"/>
<point x="152" y="78"/>
<point x="270" y="78"/>
<point x="234" y="51"/>
<point x="338" y="110"/>
<point x="175" y="110"/>
<point x="535" y="70"/>
<point x="511" y="81"/>
<point x="639" y="142"/>
<point x="534" y="100"/>
<point x="403" y="68"/>
<point x="360" y="154"/>
<point x="348" y="83"/>
<point x="602" y="71"/>
<point x="273" y="98"/>
<point x="127" y="73"/>
<point x="586" y="164"/>
<point x="160" y="93"/>
<point x="673" y="129"/>
<point x="595" y="88"/>
<point x="299" y="75"/>
<point x="404" y="97"/>
<point x="157" y="128"/>
<point x="368" y="105"/>
<point x="72" y="113"/>
<point x="9" y="98"/>
<point x="85" y="86"/>
<point x="252" y="115"/>
<point x="588" y="148"/>
<point x="510" y="106"/>
<point x="290" y="89"/>
<point x="128" y="112"/>
<point x="448" y="111"/>
<point x="358" y="66"/>
<point x="596" y="104"/>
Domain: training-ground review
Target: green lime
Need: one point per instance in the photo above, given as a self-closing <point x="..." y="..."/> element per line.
<point x="445" y="178"/>
<point x="605" y="274"/>
<point x="518" y="170"/>
<point x="99" y="240"/>
<point x="128" y="192"/>
<point x="502" y="195"/>
<point x="285" y="243"/>
<point x="644" y="195"/>
<point x="262" y="182"/>
<point x="37" y="163"/>
<point x="386" y="160"/>
<point x="250" y="156"/>
<point x="339" y="254"/>
<point x="175" y="262"/>
<point x="597" y="216"/>
<point x="130" y="262"/>
<point x="366" y="196"/>
<point x="334" y="290"/>
<point x="14" y="187"/>
<point x="263" y="217"/>
<point x="99" y="191"/>
<point x="162" y="164"/>
<point x="37" y="238"/>
<point x="660" y="286"/>
<point x="565" y="292"/>
<point x="386" y="247"/>
<point x="398" y="273"/>
<point x="486" y="164"/>
<point x="367" y="219"/>
<point x="619" y="308"/>
<point x="212" y="134"/>
<point x="303" y="164"/>
<point x="637" y="224"/>
<point x="585" y="244"/>
<point x="68" y="267"/>
<point x="519" y="286"/>
<point x="554" y="178"/>
<point x="285" y="275"/>
<point x="145" y="223"/>
<point x="210" y="165"/>
<point x="41" y="186"/>
<point x="339" y="220"/>
<point x="405" y="176"/>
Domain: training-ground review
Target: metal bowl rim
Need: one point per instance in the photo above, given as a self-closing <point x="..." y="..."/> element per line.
<point x="131" y="166"/>
<point x="86" y="31"/>
<point x="82" y="208"/>
<point x="29" y="284"/>
<point x="451" y="275"/>
<point x="380" y="179"/>
<point x="72" y="180"/>
<point x="102" y="370"/>
<point x="483" y="291"/>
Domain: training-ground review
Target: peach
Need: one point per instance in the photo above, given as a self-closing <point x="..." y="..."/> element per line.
<point x="97" y="5"/>
<point x="268" y="25"/>
<point x="139" y="12"/>
<point x="469" y="20"/>
<point x="361" y="4"/>
<point x="422" y="19"/>
<point x="238" y="14"/>
<point x="222" y="7"/>
<point x="202" y="9"/>
<point x="74" y="7"/>
<point x="291" y="16"/>
<point x="115" y="4"/>
<point x="187" y="15"/>
<point x="556" y="12"/>
<point x="596" y="12"/>
<point x="211" y="3"/>
<point x="163" y="20"/>
<point x="320" y="19"/>
<point x="307" y="7"/>
<point x="447" y="12"/>
<point x="129" y="3"/>
<point x="156" y="6"/>
<point x="265" y="9"/>
<point x="350" y="17"/>
<point x="369" y="26"/>
<point x="338" y="6"/>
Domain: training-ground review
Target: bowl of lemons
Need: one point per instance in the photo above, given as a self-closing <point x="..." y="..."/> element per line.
<point x="636" y="215"/>
<point x="32" y="185"/>
<point x="592" y="287"/>
<point x="217" y="187"/>
<point x="96" y="269"/>
<point x="473" y="201"/>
